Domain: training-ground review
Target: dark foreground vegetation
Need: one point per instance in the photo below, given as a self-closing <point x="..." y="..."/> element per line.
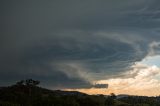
<point x="27" y="93"/>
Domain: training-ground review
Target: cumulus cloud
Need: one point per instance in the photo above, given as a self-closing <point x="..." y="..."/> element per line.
<point x="142" y="78"/>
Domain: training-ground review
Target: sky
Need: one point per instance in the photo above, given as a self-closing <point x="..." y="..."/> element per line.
<point x="92" y="46"/>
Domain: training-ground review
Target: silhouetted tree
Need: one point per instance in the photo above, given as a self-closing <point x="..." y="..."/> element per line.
<point x="112" y="95"/>
<point x="20" y="82"/>
<point x="30" y="82"/>
<point x="109" y="101"/>
<point x="35" y="83"/>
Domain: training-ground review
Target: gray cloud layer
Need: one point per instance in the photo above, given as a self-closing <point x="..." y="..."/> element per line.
<point x="69" y="44"/>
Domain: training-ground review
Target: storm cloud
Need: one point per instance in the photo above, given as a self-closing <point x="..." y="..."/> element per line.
<point x="71" y="44"/>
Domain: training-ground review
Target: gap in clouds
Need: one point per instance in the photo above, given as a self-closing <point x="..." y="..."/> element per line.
<point x="142" y="79"/>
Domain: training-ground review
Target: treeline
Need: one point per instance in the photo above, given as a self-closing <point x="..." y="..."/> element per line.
<point x="27" y="93"/>
<point x="141" y="100"/>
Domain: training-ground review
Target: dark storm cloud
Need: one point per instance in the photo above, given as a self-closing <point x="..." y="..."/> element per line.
<point x="69" y="44"/>
<point x="101" y="86"/>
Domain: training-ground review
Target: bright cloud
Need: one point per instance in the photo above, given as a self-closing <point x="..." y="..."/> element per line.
<point x="142" y="81"/>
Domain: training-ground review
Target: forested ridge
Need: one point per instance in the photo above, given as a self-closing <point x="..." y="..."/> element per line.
<point x="28" y="93"/>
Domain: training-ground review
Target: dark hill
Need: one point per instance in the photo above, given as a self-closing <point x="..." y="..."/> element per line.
<point x="27" y="93"/>
<point x="35" y="90"/>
